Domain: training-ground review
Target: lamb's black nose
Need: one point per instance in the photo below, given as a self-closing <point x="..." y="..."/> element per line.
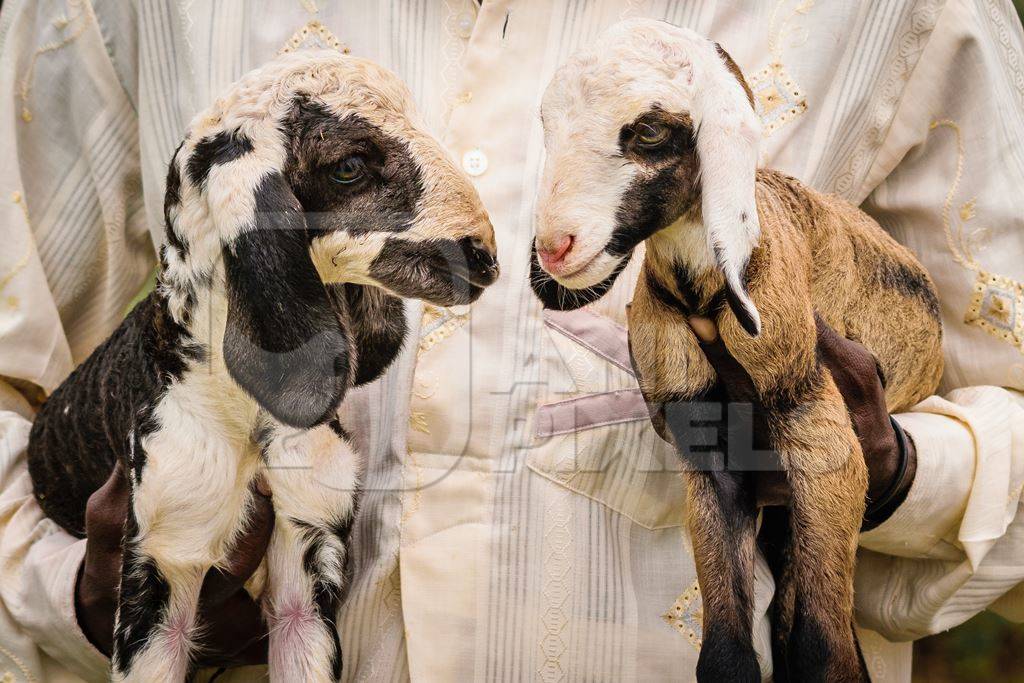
<point x="481" y="262"/>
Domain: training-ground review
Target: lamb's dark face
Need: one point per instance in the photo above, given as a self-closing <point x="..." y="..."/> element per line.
<point x="314" y="170"/>
<point x="379" y="213"/>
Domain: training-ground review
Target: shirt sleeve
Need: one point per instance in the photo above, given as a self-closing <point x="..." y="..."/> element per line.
<point x="38" y="571"/>
<point x="946" y="184"/>
<point x="75" y="250"/>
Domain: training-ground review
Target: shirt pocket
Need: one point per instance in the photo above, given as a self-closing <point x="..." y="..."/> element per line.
<point x="595" y="437"/>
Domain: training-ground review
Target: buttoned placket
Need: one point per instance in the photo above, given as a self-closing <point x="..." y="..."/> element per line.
<point x="459" y="416"/>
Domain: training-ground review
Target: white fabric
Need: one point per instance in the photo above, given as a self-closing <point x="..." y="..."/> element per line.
<point x="481" y="553"/>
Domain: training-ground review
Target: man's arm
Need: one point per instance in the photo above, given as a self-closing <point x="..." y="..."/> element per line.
<point x="947" y="184"/>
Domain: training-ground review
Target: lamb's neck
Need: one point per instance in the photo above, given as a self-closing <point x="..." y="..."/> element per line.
<point x="198" y="308"/>
<point x="679" y="258"/>
<point x="207" y="383"/>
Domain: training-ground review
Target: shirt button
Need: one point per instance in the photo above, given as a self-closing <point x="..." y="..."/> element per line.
<point x="474" y="162"/>
<point x="464" y="24"/>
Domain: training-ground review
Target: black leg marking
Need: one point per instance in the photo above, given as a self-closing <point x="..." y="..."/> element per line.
<point x="775" y="541"/>
<point x="326" y="570"/>
<point x="142" y="604"/>
<point x="723" y="537"/>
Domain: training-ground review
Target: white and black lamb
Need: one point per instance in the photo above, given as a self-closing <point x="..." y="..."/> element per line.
<point x="298" y="208"/>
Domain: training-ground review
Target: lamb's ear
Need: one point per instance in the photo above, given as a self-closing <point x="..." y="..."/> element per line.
<point x="283" y="342"/>
<point x="727" y="145"/>
<point x="559" y="297"/>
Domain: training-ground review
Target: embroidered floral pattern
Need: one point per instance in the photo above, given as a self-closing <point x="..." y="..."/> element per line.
<point x="418" y="422"/>
<point x="314" y="35"/>
<point x="411" y="507"/>
<point x="1012" y="58"/>
<point x="997" y="307"/>
<point x="910" y="44"/>
<point x="997" y="304"/>
<point x="687" y="615"/>
<point x="555" y="591"/>
<point x="9" y="674"/>
<point x="452" y="50"/>
<point x="438" y="324"/>
<point x="778" y="98"/>
<point x="11" y="301"/>
<point x="69" y="27"/>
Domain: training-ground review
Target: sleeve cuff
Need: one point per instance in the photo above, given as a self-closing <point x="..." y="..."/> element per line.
<point x="937" y="498"/>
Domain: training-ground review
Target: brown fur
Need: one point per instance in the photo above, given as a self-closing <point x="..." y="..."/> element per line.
<point x="817" y="254"/>
<point x="735" y="70"/>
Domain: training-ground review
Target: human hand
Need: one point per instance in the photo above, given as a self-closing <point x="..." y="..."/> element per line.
<point x="233" y="634"/>
<point x="855" y="374"/>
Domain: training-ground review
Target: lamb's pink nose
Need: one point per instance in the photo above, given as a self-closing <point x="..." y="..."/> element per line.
<point x="553" y="255"/>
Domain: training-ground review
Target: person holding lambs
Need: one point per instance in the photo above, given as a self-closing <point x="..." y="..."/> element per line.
<point x="520" y="517"/>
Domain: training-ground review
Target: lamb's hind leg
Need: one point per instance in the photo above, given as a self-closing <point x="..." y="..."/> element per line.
<point x="313" y="475"/>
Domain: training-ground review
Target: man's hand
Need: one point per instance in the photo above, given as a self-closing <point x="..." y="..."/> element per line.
<point x="234" y="633"/>
<point x="853" y="369"/>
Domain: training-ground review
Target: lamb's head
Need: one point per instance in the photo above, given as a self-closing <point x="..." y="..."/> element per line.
<point x="650" y="127"/>
<point x="311" y="171"/>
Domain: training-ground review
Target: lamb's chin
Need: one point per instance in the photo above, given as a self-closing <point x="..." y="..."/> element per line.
<point x="594" y="272"/>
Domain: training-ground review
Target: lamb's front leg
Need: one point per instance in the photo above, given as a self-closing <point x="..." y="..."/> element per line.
<point x="156" y="616"/>
<point x="722" y="516"/>
<point x="186" y="504"/>
<point x="809" y="428"/>
<point x="313" y="475"/>
<point x="827" y="477"/>
<point x="677" y="382"/>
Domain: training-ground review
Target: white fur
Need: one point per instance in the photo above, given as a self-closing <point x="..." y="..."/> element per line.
<point x="314" y="477"/>
<point x="193" y="500"/>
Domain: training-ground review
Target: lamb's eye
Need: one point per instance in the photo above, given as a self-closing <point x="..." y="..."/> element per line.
<point x="651" y="134"/>
<point x="349" y="171"/>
